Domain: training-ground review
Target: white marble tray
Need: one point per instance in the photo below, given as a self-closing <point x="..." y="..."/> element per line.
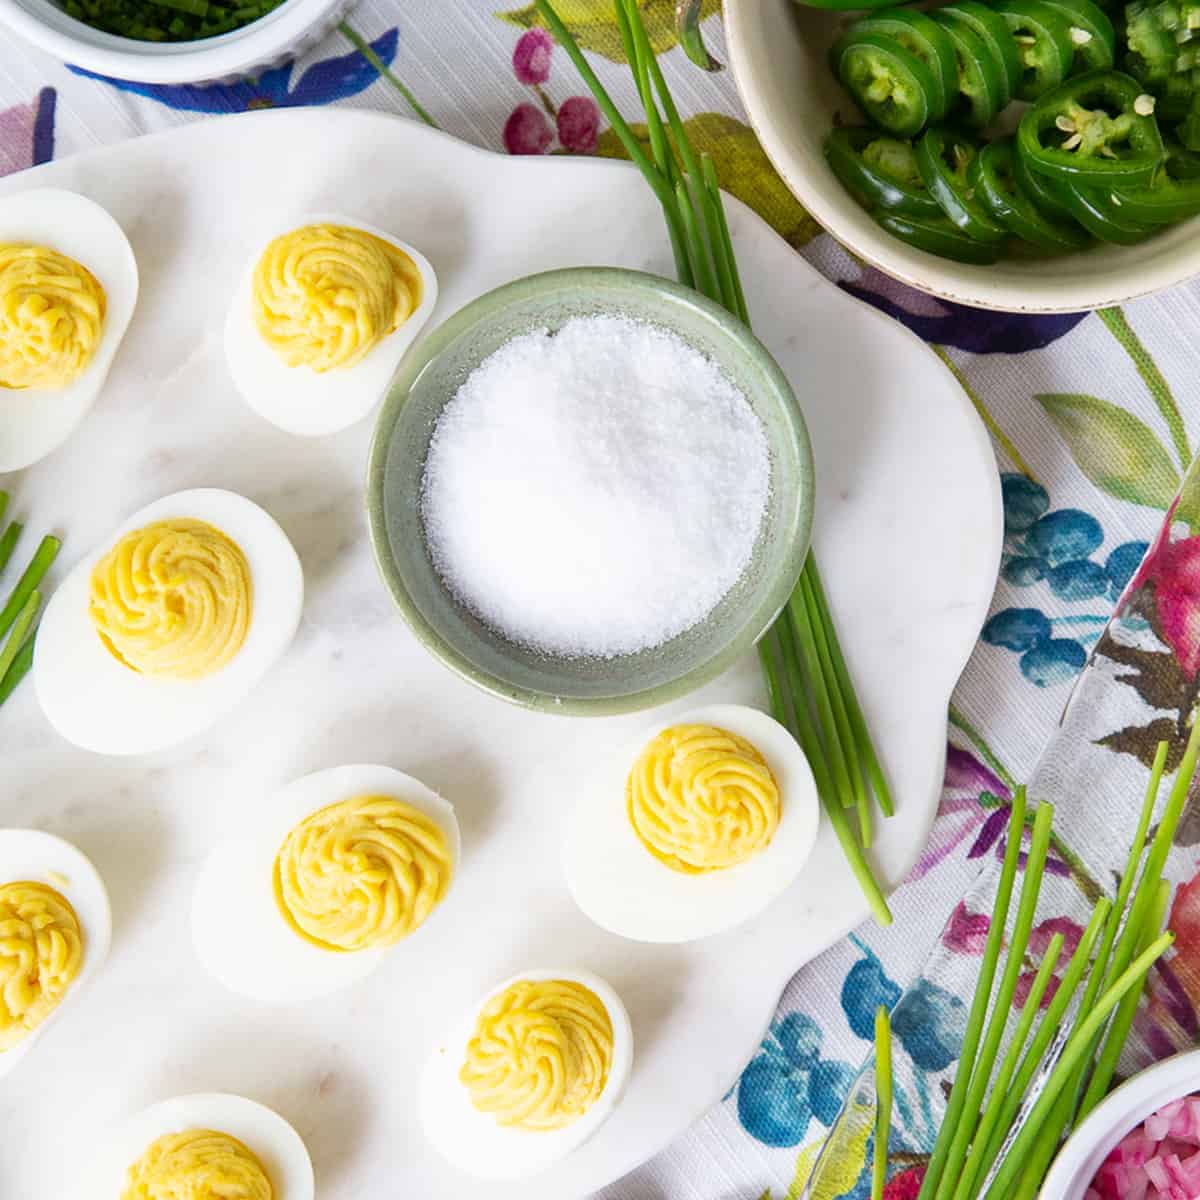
<point x="908" y="530"/>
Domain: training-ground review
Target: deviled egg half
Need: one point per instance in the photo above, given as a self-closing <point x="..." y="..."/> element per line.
<point x="697" y="829"/>
<point x="528" y="1075"/>
<point x="68" y="286"/>
<point x="321" y="319"/>
<point x="55" y="929"/>
<point x="168" y="624"/>
<point x="209" y="1146"/>
<point x="338" y="867"/>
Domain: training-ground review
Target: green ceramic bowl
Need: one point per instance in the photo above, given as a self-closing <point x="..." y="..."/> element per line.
<point x="432" y="373"/>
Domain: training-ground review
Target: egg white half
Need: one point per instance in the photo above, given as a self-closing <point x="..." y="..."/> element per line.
<point x="274" y="1142"/>
<point x="311" y="403"/>
<point x="623" y="888"/>
<point x="98" y="703"/>
<point x="28" y="855"/>
<point x="34" y="421"/>
<point x="243" y="940"/>
<point x="472" y="1140"/>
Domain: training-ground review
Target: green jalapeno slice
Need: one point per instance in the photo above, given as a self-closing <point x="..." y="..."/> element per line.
<point x="992" y="30"/>
<point x="891" y="85"/>
<point x="944" y="159"/>
<point x="1044" y="44"/>
<point x="980" y="83"/>
<point x="1172" y="195"/>
<point x="1103" y="219"/>
<point x="1092" y="33"/>
<point x="923" y="37"/>
<point x="1096" y="129"/>
<point x="879" y="171"/>
<point x="992" y="174"/>
<point x="938" y="236"/>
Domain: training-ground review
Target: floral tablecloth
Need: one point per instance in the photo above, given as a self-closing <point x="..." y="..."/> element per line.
<point x="1094" y="418"/>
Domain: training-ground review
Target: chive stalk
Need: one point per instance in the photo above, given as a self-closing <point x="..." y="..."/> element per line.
<point x="18" y="670"/>
<point x="20" y="629"/>
<point x="1122" y="1022"/>
<point x="8" y="543"/>
<point x="981" y="1068"/>
<point x="30" y="578"/>
<point x="979" y="1002"/>
<point x="883" y="1101"/>
<point x="1003" y="1104"/>
<point x="1073" y="1054"/>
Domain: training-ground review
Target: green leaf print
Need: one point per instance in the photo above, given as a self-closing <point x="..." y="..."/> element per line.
<point x="1188" y="508"/>
<point x="1117" y="451"/>
<point x="593" y="23"/>
<point x="743" y="169"/>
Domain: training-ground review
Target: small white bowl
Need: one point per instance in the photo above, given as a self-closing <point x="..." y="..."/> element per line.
<point x="289" y="30"/>
<point x="778" y="49"/>
<point x="1087" y="1148"/>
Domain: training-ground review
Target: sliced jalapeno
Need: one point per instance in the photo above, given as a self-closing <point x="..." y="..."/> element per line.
<point x="1172" y="195"/>
<point x="1101" y="218"/>
<point x="1045" y="195"/>
<point x="879" y="171"/>
<point x="923" y="37"/>
<point x="1092" y="33"/>
<point x="938" y="236"/>
<point x="992" y="31"/>
<point x="1043" y="42"/>
<point x="890" y="84"/>
<point x="944" y="160"/>
<point x="980" y="86"/>
<point x="1093" y="130"/>
<point x="992" y="174"/>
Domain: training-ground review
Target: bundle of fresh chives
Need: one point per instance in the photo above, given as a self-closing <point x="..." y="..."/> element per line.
<point x="810" y="687"/>
<point x="18" y="617"/>
<point x="979" y="1154"/>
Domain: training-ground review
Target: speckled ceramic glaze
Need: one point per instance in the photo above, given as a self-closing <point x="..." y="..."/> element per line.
<point x="778" y="51"/>
<point x="431" y="376"/>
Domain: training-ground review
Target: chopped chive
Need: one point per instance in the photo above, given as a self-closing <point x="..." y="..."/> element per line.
<point x="883" y="1101"/>
<point x="32" y="576"/>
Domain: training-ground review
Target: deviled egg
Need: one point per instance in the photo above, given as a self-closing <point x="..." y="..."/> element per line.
<point x="337" y="868"/>
<point x="695" y="830"/>
<point x="68" y="286"/>
<point x="168" y="624"/>
<point x="528" y="1075"/>
<point x="208" y="1146"/>
<point x="321" y="319"/>
<point x="55" y="929"/>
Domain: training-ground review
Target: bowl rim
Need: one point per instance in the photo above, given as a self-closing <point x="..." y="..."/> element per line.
<point x="974" y="286"/>
<point x="757" y="618"/>
<point x="207" y="60"/>
<point x="1139" y="1096"/>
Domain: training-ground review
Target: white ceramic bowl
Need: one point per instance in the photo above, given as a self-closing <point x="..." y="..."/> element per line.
<point x="778" y="53"/>
<point x="284" y="33"/>
<point x="1088" y="1147"/>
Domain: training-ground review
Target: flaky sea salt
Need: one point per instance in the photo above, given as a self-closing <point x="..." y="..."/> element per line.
<point x="595" y="491"/>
